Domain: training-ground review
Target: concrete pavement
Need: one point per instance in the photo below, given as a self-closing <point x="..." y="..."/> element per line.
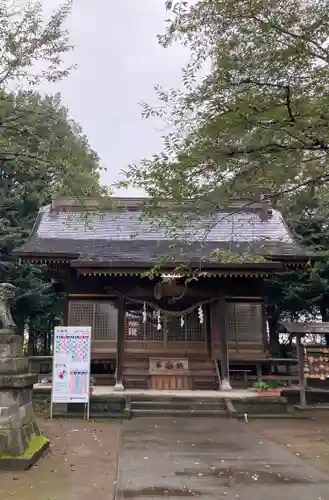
<point x="210" y="459"/>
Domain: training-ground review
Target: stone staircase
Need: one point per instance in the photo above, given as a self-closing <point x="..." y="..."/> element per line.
<point x="179" y="406"/>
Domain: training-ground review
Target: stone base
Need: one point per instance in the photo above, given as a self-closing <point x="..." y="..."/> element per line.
<point x="25" y="461"/>
<point x="118" y="387"/>
<point x="225" y="385"/>
<point x="17" y="420"/>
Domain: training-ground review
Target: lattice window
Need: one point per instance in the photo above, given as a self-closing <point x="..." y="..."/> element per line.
<point x="101" y="316"/>
<point x="136" y="329"/>
<point x="134" y="325"/>
<point x="151" y="326"/>
<point x="191" y="331"/>
<point x="244" y="322"/>
<point x="81" y="314"/>
<point x="174" y="330"/>
<point x="195" y="331"/>
<point x="171" y="328"/>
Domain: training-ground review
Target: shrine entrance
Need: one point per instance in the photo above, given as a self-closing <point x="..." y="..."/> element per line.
<point x="166" y="331"/>
<point x="167" y="342"/>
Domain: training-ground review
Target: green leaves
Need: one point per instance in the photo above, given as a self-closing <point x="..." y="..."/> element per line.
<point x="28" y="41"/>
<point x="255" y="119"/>
<point x="40" y="144"/>
<point x="304" y="292"/>
<point x="43" y="153"/>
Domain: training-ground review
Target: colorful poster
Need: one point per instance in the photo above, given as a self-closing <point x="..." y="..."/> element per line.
<point x="71" y="364"/>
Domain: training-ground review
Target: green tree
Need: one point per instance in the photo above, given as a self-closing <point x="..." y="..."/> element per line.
<point x="41" y="143"/>
<point x="42" y="152"/>
<point x="32" y="49"/>
<point x="252" y="118"/>
<point x="303" y="292"/>
<point x="29" y="181"/>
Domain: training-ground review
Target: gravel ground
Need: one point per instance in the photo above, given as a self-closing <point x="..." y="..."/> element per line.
<point x="80" y="465"/>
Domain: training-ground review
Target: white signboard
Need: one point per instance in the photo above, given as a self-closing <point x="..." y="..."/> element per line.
<point x="71" y="365"/>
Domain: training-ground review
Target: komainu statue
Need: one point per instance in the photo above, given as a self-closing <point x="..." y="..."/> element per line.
<point x="7" y="294"/>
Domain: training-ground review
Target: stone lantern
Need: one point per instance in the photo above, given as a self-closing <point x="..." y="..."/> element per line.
<point x="17" y="419"/>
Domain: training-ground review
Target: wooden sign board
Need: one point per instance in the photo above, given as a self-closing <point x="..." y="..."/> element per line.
<point x="168" y="366"/>
<point x="316" y="362"/>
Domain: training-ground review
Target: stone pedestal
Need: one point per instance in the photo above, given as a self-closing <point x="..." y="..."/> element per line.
<point x="17" y="419"/>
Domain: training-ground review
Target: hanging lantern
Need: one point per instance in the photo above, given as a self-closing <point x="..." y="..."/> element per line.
<point x="144" y="314"/>
<point x="159" y="320"/>
<point x="182" y="321"/>
<point x="200" y="314"/>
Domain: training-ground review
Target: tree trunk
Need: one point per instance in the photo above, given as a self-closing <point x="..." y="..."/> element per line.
<point x="325" y="318"/>
<point x="30" y="343"/>
<point x="45" y="343"/>
<point x="20" y="326"/>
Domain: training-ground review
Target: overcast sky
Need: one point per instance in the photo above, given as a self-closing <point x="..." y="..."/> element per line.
<point x="119" y="62"/>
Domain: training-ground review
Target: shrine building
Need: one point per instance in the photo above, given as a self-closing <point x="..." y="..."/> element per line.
<point x="166" y="312"/>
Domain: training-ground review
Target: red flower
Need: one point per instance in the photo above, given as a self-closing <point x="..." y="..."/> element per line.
<point x="271" y="377"/>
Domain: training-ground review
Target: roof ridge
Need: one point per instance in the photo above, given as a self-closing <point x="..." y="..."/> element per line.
<point x="67" y="204"/>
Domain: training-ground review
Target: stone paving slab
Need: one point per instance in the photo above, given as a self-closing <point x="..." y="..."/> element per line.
<point x="210" y="459"/>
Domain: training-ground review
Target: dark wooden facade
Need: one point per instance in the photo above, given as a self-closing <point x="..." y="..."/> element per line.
<point x="165" y="331"/>
<point x="235" y="318"/>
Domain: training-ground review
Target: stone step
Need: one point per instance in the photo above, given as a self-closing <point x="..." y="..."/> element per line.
<point x="93" y="415"/>
<point x="178" y="413"/>
<point x="204" y="385"/>
<point x="274" y="416"/>
<point x="175" y="397"/>
<point x="178" y="405"/>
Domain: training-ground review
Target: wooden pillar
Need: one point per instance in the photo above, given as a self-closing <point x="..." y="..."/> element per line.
<point x="120" y="345"/>
<point x="220" y="318"/>
<point x="65" y="318"/>
<point x="208" y="331"/>
<point x="301" y="370"/>
<point x="264" y="326"/>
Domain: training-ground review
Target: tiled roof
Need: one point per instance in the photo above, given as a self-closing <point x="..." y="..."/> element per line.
<point x="126" y="236"/>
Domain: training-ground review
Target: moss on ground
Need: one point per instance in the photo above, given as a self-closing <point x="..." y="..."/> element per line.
<point x="35" y="444"/>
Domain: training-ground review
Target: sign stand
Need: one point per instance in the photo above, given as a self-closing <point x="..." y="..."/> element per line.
<point x="71" y="367"/>
<point x="301" y="371"/>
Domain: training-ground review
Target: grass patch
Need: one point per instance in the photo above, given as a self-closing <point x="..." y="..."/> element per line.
<point x="35" y="444"/>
